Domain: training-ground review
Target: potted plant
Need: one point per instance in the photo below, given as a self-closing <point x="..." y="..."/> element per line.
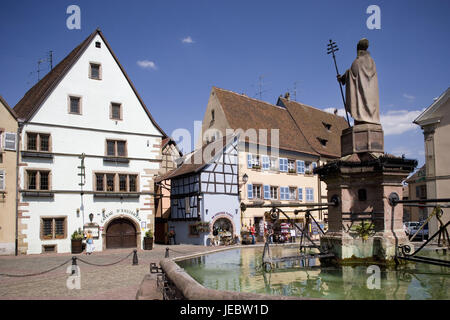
<point x="77" y="241"/>
<point x="364" y="230"/>
<point x="148" y="240"/>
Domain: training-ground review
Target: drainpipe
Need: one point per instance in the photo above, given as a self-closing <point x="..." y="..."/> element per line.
<point x="18" y="138"/>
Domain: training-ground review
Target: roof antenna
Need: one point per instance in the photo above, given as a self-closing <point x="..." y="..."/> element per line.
<point x="260" y="87"/>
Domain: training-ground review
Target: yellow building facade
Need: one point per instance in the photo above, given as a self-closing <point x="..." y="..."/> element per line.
<point x="8" y="178"/>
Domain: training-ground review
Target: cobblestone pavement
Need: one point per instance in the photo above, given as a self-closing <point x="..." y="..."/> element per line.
<point x="120" y="281"/>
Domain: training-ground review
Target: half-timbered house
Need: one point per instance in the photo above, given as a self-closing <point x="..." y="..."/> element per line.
<point x="204" y="193"/>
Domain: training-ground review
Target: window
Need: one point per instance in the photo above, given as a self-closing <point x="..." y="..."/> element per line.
<point x="327" y="126"/>
<point x="292" y="193"/>
<point x="116" y="111"/>
<point x="274" y="193"/>
<point x="38" y="179"/>
<point x="53" y="228"/>
<point x="253" y="161"/>
<point x="257" y="192"/>
<point x="300" y="166"/>
<point x="116" y="148"/>
<point x="273" y="163"/>
<point x="98" y="44"/>
<point x="284" y="193"/>
<point x="300" y="194"/>
<point x="283" y="164"/>
<point x="212" y="115"/>
<point x="74" y="105"/>
<point x="10" y="141"/>
<point x="2" y="180"/>
<point x="95" y="71"/>
<point x="291" y="166"/>
<point x="323" y="142"/>
<point x="309" y="194"/>
<point x="115" y="182"/>
<point x="38" y="142"/>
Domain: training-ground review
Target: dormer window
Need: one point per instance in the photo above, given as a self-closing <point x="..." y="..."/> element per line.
<point x="323" y="142"/>
<point x="95" y="71"/>
<point x="327" y="126"/>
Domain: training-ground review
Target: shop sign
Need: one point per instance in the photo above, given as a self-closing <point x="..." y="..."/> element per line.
<point x="105" y="216"/>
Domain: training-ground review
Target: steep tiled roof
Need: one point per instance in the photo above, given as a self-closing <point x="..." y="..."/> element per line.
<point x="34" y="97"/>
<point x="322" y="129"/>
<point x="246" y="113"/>
<point x="199" y="158"/>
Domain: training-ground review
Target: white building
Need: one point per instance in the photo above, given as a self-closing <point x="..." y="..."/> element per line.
<point x="86" y="105"/>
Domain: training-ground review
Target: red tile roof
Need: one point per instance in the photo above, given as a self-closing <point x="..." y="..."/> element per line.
<point x="322" y="129"/>
<point x="246" y="113"/>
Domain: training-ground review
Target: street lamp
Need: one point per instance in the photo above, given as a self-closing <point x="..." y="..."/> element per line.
<point x="245" y="178"/>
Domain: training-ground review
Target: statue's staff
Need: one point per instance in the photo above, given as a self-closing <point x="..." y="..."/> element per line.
<point x="332" y="48"/>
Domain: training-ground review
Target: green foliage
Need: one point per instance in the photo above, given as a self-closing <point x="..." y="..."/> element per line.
<point x="149" y="234"/>
<point x="77" y="235"/>
<point x="364" y="230"/>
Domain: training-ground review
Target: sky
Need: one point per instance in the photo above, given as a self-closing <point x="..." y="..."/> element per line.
<point x="176" y="51"/>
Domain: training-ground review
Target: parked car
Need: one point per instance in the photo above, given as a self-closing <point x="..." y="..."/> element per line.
<point x="412" y="227"/>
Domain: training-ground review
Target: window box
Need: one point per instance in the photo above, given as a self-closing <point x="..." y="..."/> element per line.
<point x="291" y="171"/>
<point x="256" y="166"/>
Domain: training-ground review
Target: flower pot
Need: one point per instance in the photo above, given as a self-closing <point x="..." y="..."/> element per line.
<point x="148" y="243"/>
<point x="77" y="246"/>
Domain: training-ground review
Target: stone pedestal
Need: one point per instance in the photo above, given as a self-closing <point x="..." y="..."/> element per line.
<point x="363" y="187"/>
<point x="362" y="138"/>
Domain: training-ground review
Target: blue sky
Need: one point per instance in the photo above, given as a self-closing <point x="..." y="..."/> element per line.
<point x="230" y="44"/>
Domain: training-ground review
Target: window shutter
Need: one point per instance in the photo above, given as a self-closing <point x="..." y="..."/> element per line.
<point x="300" y="166"/>
<point x="249" y="191"/>
<point x="283" y="164"/>
<point x="10" y="141"/>
<point x="2" y="180"/>
<point x="300" y="194"/>
<point x="265" y="162"/>
<point x="266" y="191"/>
<point x="249" y="161"/>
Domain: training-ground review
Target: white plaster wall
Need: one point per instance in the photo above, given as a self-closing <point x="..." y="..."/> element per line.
<point x="67" y="143"/>
<point x="96" y="96"/>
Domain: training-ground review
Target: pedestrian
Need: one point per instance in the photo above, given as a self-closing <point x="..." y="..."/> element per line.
<point x="292" y="235"/>
<point x="253" y="233"/>
<point x="89" y="242"/>
<point x="270" y="235"/>
<point x="216" y="237"/>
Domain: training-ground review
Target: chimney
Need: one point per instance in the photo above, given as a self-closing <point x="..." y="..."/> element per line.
<point x="335" y="112"/>
<point x="287" y="96"/>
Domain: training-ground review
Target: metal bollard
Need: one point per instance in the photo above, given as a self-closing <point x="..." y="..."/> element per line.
<point x="167" y="253"/>
<point x="74" y="264"/>
<point x="135" y="258"/>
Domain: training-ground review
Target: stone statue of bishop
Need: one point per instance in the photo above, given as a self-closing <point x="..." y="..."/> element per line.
<point x="361" y="84"/>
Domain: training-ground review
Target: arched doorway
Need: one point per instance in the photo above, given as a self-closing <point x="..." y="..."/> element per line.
<point x="121" y="233"/>
<point x="223" y="224"/>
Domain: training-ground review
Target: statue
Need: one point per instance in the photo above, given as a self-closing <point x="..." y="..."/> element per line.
<point x="361" y="82"/>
